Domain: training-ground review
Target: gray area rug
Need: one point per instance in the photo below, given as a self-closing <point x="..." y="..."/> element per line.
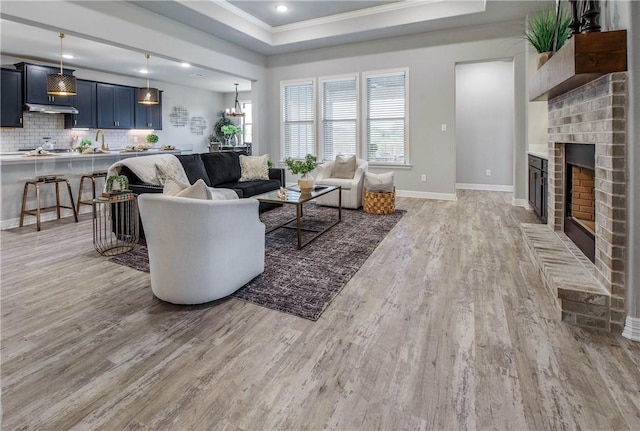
<point x="304" y="282"/>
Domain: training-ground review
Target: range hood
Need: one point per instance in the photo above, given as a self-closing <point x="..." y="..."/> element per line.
<point x="51" y="109"/>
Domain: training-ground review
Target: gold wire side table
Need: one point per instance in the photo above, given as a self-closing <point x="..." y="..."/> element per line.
<point x="115" y="223"/>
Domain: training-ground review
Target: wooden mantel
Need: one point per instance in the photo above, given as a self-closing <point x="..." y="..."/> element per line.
<point x="582" y="59"/>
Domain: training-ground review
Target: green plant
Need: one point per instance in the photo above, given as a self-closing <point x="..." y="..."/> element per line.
<point x="548" y="32"/>
<point x="302" y="166"/>
<point x="217" y="128"/>
<point x="152" y="138"/>
<point x="269" y="164"/>
<point x="231" y="129"/>
<point x="84" y="144"/>
<point x="122" y="180"/>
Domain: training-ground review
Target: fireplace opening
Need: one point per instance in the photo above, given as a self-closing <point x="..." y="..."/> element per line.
<point x="580" y="199"/>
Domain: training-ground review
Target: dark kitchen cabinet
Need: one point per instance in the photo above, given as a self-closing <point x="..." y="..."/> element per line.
<point x="35" y="85"/>
<point x="538" y="176"/>
<point x="11" y="97"/>
<point x="115" y="106"/>
<point x="149" y="116"/>
<point x="85" y="101"/>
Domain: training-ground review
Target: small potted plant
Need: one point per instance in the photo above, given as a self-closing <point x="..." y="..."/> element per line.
<point x="547" y="33"/>
<point x="230" y="133"/>
<point x="117" y="183"/>
<point x="152" y="139"/>
<point x="84" y="144"/>
<point x="303" y="167"/>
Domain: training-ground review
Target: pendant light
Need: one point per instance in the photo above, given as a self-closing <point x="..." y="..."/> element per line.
<point x="236" y="111"/>
<point x="148" y="96"/>
<point x="60" y="84"/>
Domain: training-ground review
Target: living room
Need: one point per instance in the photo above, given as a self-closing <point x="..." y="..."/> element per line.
<point x="446" y="325"/>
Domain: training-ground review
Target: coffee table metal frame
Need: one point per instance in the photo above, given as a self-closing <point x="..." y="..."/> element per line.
<point x="298" y="199"/>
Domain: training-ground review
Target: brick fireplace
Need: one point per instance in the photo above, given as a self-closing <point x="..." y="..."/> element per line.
<point x="589" y="294"/>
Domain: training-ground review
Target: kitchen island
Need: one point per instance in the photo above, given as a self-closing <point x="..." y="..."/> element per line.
<point x="17" y="167"/>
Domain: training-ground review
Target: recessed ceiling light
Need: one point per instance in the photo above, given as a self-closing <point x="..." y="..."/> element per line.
<point x="185" y="64"/>
<point x="69" y="56"/>
<point x="143" y="71"/>
<point x="282" y="8"/>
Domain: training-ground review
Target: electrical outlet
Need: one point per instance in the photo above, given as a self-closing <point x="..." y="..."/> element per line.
<point x="488" y="172"/>
<point x="443" y="127"/>
<point x="423" y="178"/>
<point x="135" y="139"/>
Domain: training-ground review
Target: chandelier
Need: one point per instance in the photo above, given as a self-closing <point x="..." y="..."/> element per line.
<point x="236" y="111"/>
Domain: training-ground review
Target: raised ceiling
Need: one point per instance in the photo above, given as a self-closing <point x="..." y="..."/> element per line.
<point x="254" y="25"/>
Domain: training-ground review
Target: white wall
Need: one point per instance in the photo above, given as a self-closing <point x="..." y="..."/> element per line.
<point x="431" y="59"/>
<point x="484" y="124"/>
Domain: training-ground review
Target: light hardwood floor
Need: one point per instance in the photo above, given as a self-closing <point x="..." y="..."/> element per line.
<point x="446" y="326"/>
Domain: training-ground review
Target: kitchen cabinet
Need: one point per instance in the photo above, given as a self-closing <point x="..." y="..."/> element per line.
<point x="85" y="101"/>
<point x="538" y="176"/>
<point x="11" y="91"/>
<point x="35" y="85"/>
<point x="115" y="106"/>
<point x="149" y="116"/>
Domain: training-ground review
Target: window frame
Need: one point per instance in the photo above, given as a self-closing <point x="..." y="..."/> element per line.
<point x="365" y="120"/>
<point x="321" y="109"/>
<point x="292" y="82"/>
<point x="244" y="120"/>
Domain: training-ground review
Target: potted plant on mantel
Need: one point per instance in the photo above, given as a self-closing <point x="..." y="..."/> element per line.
<point x="547" y="33"/>
<point x="303" y="167"/>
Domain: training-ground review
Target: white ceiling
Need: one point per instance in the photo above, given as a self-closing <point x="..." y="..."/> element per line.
<point x="254" y="25"/>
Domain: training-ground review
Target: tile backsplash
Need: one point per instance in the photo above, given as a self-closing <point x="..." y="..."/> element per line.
<point x="38" y="125"/>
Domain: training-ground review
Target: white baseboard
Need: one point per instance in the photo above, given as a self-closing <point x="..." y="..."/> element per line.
<point x="632" y="328"/>
<point x="487" y="187"/>
<point x="426" y="195"/>
<point x="524" y="203"/>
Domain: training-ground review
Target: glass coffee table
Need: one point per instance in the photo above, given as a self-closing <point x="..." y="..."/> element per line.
<point x="298" y="199"/>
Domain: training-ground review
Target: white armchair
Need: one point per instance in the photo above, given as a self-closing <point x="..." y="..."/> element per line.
<point x="351" y="188"/>
<point x="201" y="250"/>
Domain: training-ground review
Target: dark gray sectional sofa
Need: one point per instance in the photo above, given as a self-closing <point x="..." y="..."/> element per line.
<point x="221" y="170"/>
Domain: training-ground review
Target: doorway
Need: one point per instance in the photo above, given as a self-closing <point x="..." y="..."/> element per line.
<point x="485" y="123"/>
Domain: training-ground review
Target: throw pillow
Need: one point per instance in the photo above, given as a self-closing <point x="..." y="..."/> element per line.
<point x="198" y="190"/>
<point x="222" y="167"/>
<point x="254" y="168"/>
<point x="378" y="183"/>
<point x="193" y="167"/>
<point x="344" y="167"/>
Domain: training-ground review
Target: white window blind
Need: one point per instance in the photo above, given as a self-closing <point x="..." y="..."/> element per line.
<point x="298" y="119"/>
<point x="385" y="122"/>
<point x="339" y="117"/>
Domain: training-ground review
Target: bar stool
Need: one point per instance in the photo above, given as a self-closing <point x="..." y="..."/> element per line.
<point x="52" y="179"/>
<point x="92" y="176"/>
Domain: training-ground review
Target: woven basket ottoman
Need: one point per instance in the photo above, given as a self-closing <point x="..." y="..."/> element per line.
<point x="379" y="203"/>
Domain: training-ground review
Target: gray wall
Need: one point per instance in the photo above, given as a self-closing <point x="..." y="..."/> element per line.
<point x="431" y="59"/>
<point x="484" y="123"/>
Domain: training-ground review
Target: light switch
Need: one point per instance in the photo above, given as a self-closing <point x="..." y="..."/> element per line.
<point x="443" y="127"/>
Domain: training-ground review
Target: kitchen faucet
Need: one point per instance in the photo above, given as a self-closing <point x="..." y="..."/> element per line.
<point x="103" y="146"/>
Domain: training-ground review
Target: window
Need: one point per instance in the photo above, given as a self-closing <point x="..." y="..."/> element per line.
<point x="385" y="117"/>
<point x="339" y="117"/>
<point x="246" y="122"/>
<point x="298" y="119"/>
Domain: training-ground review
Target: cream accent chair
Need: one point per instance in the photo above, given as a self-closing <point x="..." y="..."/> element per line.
<point x="351" y="188"/>
<point x="201" y="250"/>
